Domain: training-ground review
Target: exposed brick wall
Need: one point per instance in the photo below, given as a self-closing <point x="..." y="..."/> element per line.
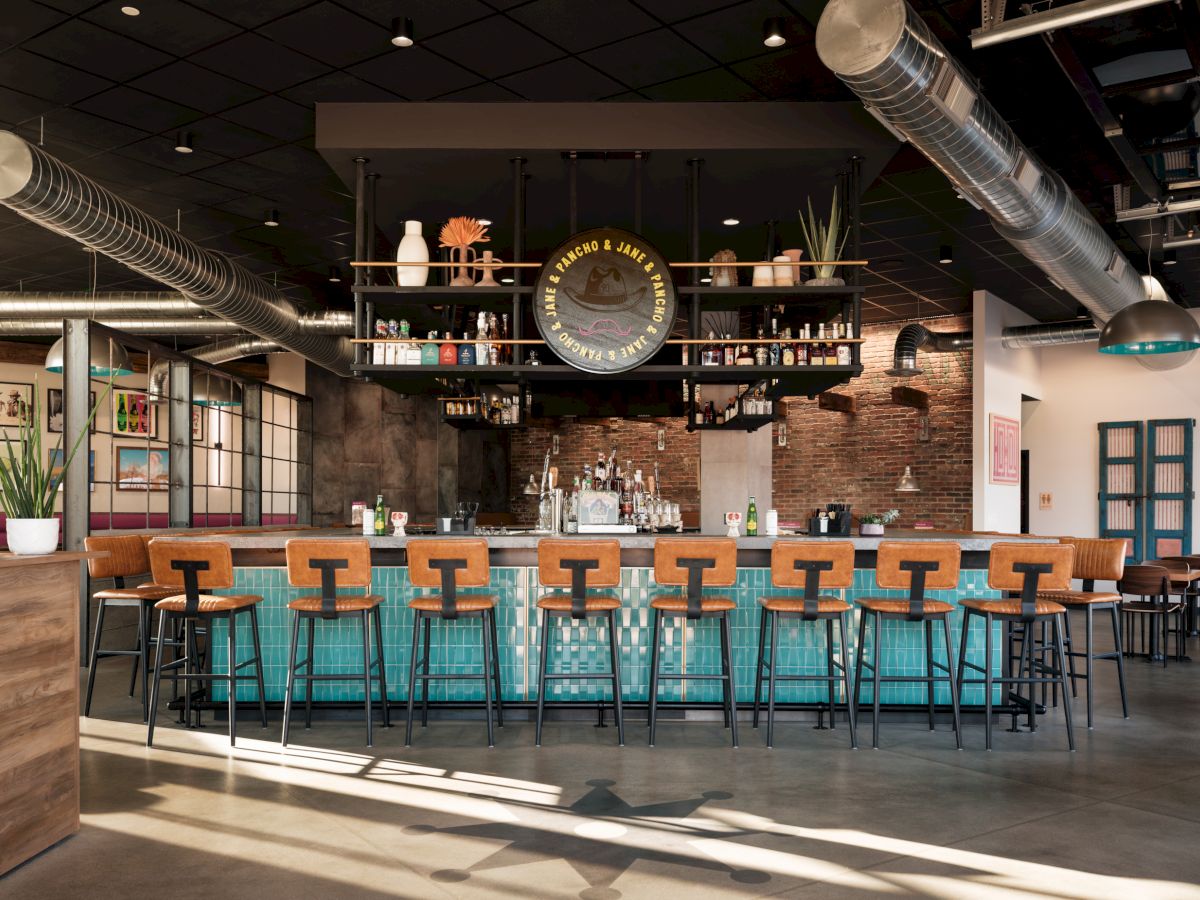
<point x="858" y="458"/>
<point x="579" y="443"/>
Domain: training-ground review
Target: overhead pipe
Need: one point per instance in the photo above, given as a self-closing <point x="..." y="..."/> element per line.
<point x="913" y="337"/>
<point x="885" y="54"/>
<point x="216" y="353"/>
<point x="1055" y="18"/>
<point x="1052" y="334"/>
<point x="46" y="191"/>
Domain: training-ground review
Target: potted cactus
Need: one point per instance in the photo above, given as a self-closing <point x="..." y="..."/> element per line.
<point x="871" y="525"/>
<point x="822" y="244"/>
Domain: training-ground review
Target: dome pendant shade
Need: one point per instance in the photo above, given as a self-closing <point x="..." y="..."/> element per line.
<point x="216" y="392"/>
<point x="1150" y="327"/>
<point x="106" y="358"/>
<point x="907" y="484"/>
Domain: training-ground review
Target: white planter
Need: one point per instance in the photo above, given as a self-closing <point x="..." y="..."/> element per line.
<point x="825" y="282"/>
<point x="32" y="537"/>
<point x="870" y="530"/>
<point x="412" y="249"/>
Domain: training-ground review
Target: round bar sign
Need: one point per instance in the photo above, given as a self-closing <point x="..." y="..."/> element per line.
<point x="604" y="301"/>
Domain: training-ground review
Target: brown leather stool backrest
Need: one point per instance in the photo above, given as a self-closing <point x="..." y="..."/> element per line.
<point x="552" y="553"/>
<point x="1007" y="559"/>
<point x="1173" y="564"/>
<point x="1097" y="559"/>
<point x="303" y="552"/>
<point x="127" y="556"/>
<point x="1145" y="581"/>
<point x="421" y="551"/>
<point x="164" y="552"/>
<point x="668" y="553"/>
<point x="785" y="555"/>
<point x="891" y="554"/>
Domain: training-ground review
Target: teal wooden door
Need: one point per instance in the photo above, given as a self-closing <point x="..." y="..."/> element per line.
<point x="1121" y="482"/>
<point x="1169" y="493"/>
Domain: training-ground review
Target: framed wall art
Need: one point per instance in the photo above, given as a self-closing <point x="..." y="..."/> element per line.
<point x="16" y="403"/>
<point x="54" y="410"/>
<point x="134" y="414"/>
<point x="141" y="468"/>
<point x="1005" y="457"/>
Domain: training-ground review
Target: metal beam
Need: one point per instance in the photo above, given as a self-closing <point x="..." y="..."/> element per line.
<point x="179" y="461"/>
<point x="1151" y="81"/>
<point x="304" y="461"/>
<point x="76" y="501"/>
<point x="1052" y="19"/>
<point x="252" y="454"/>
<point x="1189" y="143"/>
<point x="1158" y="210"/>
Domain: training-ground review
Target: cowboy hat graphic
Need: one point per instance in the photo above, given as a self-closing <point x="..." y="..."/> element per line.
<point x="605" y="291"/>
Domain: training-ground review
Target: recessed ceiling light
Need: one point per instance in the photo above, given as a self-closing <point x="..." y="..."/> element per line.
<point x="131" y="10"/>
<point x="272" y="218"/>
<point x="731" y="221"/>
<point x="402" y="32"/>
<point x="946" y="254"/>
<point x="1169" y="258"/>
<point x="773" y="33"/>
<point x="506" y="280"/>
<point x="706" y="280"/>
<point x="335" y="274"/>
<point x="485" y="221"/>
<point x="183" y="142"/>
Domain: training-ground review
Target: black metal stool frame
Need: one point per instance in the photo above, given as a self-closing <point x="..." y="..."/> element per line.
<point x="916" y="613"/>
<point x="329" y="612"/>
<point x="491" y="652"/>
<point x="812" y="580"/>
<point x="188" y="662"/>
<point x="579" y="613"/>
<point x="1054" y="672"/>
<point x="695" y="612"/>
<point x="1089" y="654"/>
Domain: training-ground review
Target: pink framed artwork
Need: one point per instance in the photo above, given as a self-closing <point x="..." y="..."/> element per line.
<point x="1006" y="450"/>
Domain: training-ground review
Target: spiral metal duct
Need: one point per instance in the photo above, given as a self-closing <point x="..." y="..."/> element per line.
<point x="204" y="325"/>
<point x="884" y="53"/>
<point x="44" y="190"/>
<point x="215" y="354"/>
<point x="1052" y="334"/>
<point x="913" y="336"/>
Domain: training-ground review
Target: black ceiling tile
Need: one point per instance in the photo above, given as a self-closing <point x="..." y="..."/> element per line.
<point x="16" y="107"/>
<point x="160" y="151"/>
<point x="147" y="112"/>
<point x="112" y="171"/>
<point x="484" y="92"/>
<point x="154" y="204"/>
<point x="415" y="73"/>
<point x="243" y="176"/>
<point x="649" y="58"/>
<point x="338" y="87"/>
<point x="429" y="17"/>
<point x="255" y="60"/>
<point x="275" y="116"/>
<point x="205" y="223"/>
<point x="250" y="15"/>
<point x="84" y="128"/>
<point x="228" y="139"/>
<point x="715" y="84"/>
<point x="793" y="73"/>
<point x="23" y="19"/>
<point x="94" y="49"/>
<point x="195" y="191"/>
<point x="23" y="71"/>
<point x="329" y="33"/>
<point x="69" y="6"/>
<point x="580" y="26"/>
<point x="626" y="97"/>
<point x="194" y="86"/>
<point x="674" y="10"/>
<point x="736" y="33"/>
<point x="494" y="47"/>
<point x="168" y="25"/>
<point x="292" y="159"/>
<point x="561" y="80"/>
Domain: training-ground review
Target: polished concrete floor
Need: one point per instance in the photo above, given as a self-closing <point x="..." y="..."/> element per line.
<point x="690" y="818"/>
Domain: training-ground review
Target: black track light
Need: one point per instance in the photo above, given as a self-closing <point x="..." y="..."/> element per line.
<point x="945" y="254"/>
<point x="402" y="32"/>
<point x="773" y="33"/>
<point x="1169" y="258"/>
<point x="183" y="142"/>
<point x="335" y="274"/>
<point x="272" y="218"/>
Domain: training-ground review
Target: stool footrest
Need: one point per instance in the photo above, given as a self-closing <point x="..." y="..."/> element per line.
<point x="607" y="676"/>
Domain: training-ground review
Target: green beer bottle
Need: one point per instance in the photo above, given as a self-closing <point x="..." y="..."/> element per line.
<point x="380" y="520"/>
<point x="752" y="519"/>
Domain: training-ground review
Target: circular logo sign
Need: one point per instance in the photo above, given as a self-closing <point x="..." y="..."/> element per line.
<point x="604" y="301"/>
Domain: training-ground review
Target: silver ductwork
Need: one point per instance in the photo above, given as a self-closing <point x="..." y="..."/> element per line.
<point x="884" y="53"/>
<point x="44" y="190"/>
<point x="214" y="354"/>
<point x="205" y="325"/>
<point x="1052" y="334"/>
<point x="914" y="336"/>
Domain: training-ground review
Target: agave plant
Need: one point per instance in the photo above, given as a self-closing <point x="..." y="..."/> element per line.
<point x="27" y="481"/>
<point x="821" y="240"/>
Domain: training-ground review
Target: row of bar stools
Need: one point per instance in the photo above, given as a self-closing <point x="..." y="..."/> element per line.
<point x="1153" y="585"/>
<point x="187" y="567"/>
<point x="915" y="567"/>
<point x="331" y="565"/>
<point x="812" y="566"/>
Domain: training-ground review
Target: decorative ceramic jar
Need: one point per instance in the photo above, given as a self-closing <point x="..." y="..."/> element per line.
<point x="412" y="249"/>
<point x="32" y="537"/>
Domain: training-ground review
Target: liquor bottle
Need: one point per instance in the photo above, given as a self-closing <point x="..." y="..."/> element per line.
<point x="627" y="495"/>
<point x="466" y="352"/>
<point x="788" y="349"/>
<point x="600" y="472"/>
<point x="843" y="352"/>
<point x="612" y="468"/>
<point x="710" y="353"/>
<point x="412" y="349"/>
<point x="744" y="356"/>
<point x="773" y="353"/>
<point x="380" y="518"/>
<point x="752" y="519"/>
<point x="506" y="350"/>
<point x="481" y="335"/>
<point x="802" y="351"/>
<point x="831" y="349"/>
<point x="699" y="414"/>
<point x="391" y="350"/>
<point x="122" y="418"/>
<point x="587" y="478"/>
<point x="573" y="508"/>
<point x="729" y="353"/>
<point x="379" y="348"/>
<point x="493" y="328"/>
<point x="760" y="351"/>
<point x="448" y="355"/>
<point x="429" y="350"/>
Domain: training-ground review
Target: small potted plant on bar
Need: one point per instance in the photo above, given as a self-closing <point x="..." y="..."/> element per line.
<point x="871" y="525"/>
<point x="29" y="483"/>
<point x="822" y="244"/>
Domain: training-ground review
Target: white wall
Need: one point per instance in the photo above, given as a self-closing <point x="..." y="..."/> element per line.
<point x="1081" y="388"/>
<point x="734" y="466"/>
<point x="1001" y="377"/>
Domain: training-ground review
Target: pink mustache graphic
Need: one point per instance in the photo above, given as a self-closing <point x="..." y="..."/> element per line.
<point x="607" y="325"/>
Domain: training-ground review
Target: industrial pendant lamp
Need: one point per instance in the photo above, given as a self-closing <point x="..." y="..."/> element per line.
<point x="106" y="357"/>
<point x="208" y="391"/>
<point x="402" y="32"/>
<point x="907" y="484"/>
<point x="1150" y="327"/>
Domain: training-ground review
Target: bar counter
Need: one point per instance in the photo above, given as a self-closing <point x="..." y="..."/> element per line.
<point x="259" y="564"/>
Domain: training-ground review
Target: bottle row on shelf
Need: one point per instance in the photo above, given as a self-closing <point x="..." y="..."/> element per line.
<point x="498" y="409"/>
<point x="746" y="402"/>
<point x="830" y="347"/>
<point x="395" y="346"/>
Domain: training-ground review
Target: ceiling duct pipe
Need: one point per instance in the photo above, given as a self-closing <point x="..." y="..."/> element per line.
<point x="214" y="354"/>
<point x="914" y="336"/>
<point x="1052" y="334"/>
<point x="203" y="325"/>
<point x="46" y="191"/>
<point x="888" y="57"/>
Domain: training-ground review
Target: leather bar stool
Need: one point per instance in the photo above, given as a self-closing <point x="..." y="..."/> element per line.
<point x="813" y="566"/>
<point x="1028" y="568"/>
<point x="127" y="559"/>
<point x="1184" y="578"/>
<point x="579" y="565"/>
<point x="913" y="566"/>
<point x="1192" y="591"/>
<point x="1095" y="560"/>
<point x="192" y="566"/>
<point x="450" y="564"/>
<point x="1152" y="585"/>
<point x="330" y="565"/>
<point x="695" y="564"/>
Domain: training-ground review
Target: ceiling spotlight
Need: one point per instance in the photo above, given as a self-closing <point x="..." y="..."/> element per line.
<point x="484" y="221"/>
<point x="731" y="221"/>
<point x="946" y="254"/>
<point x="131" y="10"/>
<point x="402" y="32"/>
<point x="707" y="279"/>
<point x="183" y="142"/>
<point x="506" y="280"/>
<point x="773" y="33"/>
<point x="272" y="218"/>
<point x="1169" y="258"/>
<point x="335" y="274"/>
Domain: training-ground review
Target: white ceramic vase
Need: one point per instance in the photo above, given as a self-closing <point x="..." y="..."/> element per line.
<point x="412" y="249"/>
<point x="32" y="537"/>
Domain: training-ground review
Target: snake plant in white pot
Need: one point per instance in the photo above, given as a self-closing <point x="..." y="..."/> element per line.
<point x="822" y="244"/>
<point x="29" y="483"/>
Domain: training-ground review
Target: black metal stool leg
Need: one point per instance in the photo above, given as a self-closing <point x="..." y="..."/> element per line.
<point x="727" y="629"/>
<point x="877" y="625"/>
<point x="950" y="672"/>
<point x="987" y="675"/>
<point x="724" y="673"/>
<point x="614" y="650"/>
<point x="771" y="679"/>
<point x="158" y="661"/>
<point x="1087" y="662"/>
<point x="95" y="659"/>
<point x="258" y="670"/>
<point x="366" y="647"/>
<point x="851" y="712"/>
<point x="1120" y="651"/>
<point x="412" y="676"/>
<point x="1061" y="667"/>
<point x="652" y="712"/>
<point x="487" y="674"/>
<point x="428" y="664"/>
<point x="133" y="669"/>
<point x="929" y="670"/>
<point x="496" y="668"/>
<point x="291" y="679"/>
<point x="858" y="660"/>
<point x="1069" y="641"/>
<point x="542" y="669"/>
<point x="758" y="662"/>
<point x="829" y="670"/>
<point x="312" y="668"/>
<point x="231" y="641"/>
<point x="383" y="692"/>
<point x="146" y="611"/>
